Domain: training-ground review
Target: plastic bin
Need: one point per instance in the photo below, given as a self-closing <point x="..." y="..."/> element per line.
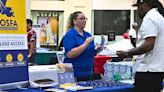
<point x="99" y="62"/>
<point x="45" y="58"/>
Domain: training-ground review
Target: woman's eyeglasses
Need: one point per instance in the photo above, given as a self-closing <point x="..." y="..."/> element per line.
<point x="82" y="18"/>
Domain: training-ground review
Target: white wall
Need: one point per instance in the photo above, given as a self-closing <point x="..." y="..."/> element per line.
<point x="47" y="5"/>
<point x="78" y="5"/>
<point x="111" y="4"/>
<point x="28" y="8"/>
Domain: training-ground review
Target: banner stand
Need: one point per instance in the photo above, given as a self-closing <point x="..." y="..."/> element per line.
<point x="13" y="45"/>
<point x="22" y="84"/>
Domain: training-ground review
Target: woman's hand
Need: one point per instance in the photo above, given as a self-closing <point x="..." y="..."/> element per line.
<point x="88" y="40"/>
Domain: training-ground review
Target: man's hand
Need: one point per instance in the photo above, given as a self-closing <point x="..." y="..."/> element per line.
<point x="122" y="54"/>
<point x="29" y="56"/>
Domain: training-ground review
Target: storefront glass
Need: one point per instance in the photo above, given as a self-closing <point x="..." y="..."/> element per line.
<point x="51" y="22"/>
<point x="117" y="21"/>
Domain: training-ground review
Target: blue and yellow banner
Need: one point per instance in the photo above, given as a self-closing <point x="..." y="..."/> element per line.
<point x="13" y="42"/>
<point x="12" y="17"/>
<point x="13" y="34"/>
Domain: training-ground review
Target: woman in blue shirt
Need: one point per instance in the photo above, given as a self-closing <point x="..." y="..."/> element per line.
<point x="79" y="47"/>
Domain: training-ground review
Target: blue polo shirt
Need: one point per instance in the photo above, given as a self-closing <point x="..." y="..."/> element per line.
<point x="82" y="64"/>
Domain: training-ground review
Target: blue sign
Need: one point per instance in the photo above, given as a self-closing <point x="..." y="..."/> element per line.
<point x="13" y="66"/>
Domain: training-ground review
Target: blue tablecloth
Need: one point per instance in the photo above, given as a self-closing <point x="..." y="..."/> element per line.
<point x="127" y="88"/>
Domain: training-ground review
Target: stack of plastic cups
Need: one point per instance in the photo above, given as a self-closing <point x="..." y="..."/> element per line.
<point x="123" y="69"/>
<point x="109" y="71"/>
<point x="117" y="74"/>
<point x="128" y="74"/>
<point x="133" y="68"/>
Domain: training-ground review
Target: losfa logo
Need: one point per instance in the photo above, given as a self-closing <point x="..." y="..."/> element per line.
<point x="5" y="10"/>
<point x="7" y="24"/>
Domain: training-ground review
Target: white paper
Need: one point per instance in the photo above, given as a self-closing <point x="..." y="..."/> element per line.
<point x="77" y="87"/>
<point x="123" y="45"/>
